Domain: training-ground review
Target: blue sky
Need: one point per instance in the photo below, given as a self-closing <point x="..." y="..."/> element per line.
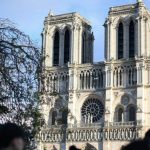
<point x="29" y="15"/>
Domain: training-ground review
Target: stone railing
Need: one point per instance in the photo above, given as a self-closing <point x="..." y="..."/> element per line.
<point x="90" y="133"/>
<point x="91" y="77"/>
<point x="126" y="124"/>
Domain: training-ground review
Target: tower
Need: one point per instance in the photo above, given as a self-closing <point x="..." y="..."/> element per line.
<point x="67" y="41"/>
<point x="67" y="38"/>
<point x="127" y="32"/>
<point x="105" y="103"/>
<point x="127" y="52"/>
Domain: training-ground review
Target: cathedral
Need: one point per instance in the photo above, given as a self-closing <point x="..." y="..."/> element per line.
<point x="95" y="106"/>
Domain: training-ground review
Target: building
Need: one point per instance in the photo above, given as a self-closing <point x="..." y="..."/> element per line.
<point x="96" y="106"/>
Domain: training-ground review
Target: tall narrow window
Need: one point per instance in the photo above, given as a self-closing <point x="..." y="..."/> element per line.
<point x="56" y="49"/>
<point x="119" y="114"/>
<point x="131" y="113"/>
<point x="131" y="40"/>
<point x="64" y="116"/>
<point x="83" y="48"/>
<point x="120" y="41"/>
<point x="67" y="47"/>
<point x="54" y="115"/>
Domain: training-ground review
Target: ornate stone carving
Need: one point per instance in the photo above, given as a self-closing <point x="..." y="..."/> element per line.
<point x="139" y="109"/>
<point x="107" y="111"/>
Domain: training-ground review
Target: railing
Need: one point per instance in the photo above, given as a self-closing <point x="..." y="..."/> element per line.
<point x="106" y="124"/>
<point x="83" y="125"/>
<point x="130" y="123"/>
<point x="128" y="131"/>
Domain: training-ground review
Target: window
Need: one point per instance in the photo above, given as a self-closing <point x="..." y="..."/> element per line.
<point x="83" y="48"/>
<point x="54" y="115"/>
<point x="119" y="114"/>
<point x="64" y="116"/>
<point x="67" y="47"/>
<point x="131" y="113"/>
<point x="92" y="110"/>
<point x="131" y="40"/>
<point x="120" y="41"/>
<point x="56" y="49"/>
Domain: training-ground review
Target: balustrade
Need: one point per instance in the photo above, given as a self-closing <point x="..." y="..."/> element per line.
<point x="91" y="132"/>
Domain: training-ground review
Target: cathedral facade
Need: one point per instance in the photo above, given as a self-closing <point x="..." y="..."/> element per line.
<point x="95" y="106"/>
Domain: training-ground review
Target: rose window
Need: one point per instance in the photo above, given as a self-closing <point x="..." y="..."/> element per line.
<point x="92" y="110"/>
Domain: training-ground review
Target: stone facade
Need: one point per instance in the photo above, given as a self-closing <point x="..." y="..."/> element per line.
<point x="95" y="106"/>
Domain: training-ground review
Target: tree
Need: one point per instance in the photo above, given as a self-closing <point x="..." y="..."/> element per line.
<point x="20" y="65"/>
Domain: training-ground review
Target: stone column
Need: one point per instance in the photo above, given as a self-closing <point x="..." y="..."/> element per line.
<point x="61" y="49"/>
<point x="142" y="37"/>
<point x="85" y="80"/>
<point x="106" y="78"/>
<point x="91" y="80"/>
<point x="146" y="37"/>
<point x="78" y="39"/>
<point x="72" y="46"/>
<point x="48" y="46"/>
<point x="75" y="44"/>
<point x="139" y="37"/>
<point x="106" y="41"/>
<point x="43" y="45"/>
<point x="126" y="41"/>
<point x="109" y="41"/>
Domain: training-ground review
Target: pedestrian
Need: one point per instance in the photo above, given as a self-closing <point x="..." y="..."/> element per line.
<point x="11" y="137"/>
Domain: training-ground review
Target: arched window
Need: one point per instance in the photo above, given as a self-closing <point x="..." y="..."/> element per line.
<point x="92" y="110"/>
<point x="119" y="114"/>
<point x="67" y="47"/>
<point x="120" y="41"/>
<point x="83" y="48"/>
<point x="56" y="49"/>
<point x="54" y="115"/>
<point x="64" y="116"/>
<point x="131" y="40"/>
<point x="131" y="113"/>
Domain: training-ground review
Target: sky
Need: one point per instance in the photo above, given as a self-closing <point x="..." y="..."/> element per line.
<point x="29" y="15"/>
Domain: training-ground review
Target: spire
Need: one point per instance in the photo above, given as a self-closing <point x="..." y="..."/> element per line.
<point x="50" y="13"/>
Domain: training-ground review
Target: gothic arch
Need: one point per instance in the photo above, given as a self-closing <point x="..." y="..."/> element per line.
<point x="120" y="43"/>
<point x="131" y="39"/>
<point x="53" y="116"/>
<point x="131" y="112"/>
<point x="56" y="47"/>
<point x="119" y="113"/>
<point x="84" y="36"/>
<point x="118" y="20"/>
<point x="67" y="44"/>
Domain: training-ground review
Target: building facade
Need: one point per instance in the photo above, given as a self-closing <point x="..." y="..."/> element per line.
<point x="95" y="106"/>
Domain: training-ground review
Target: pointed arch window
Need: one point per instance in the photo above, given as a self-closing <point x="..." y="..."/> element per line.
<point x="54" y="115"/>
<point x="83" y="48"/>
<point x="119" y="114"/>
<point x="64" y="116"/>
<point x="131" y="113"/>
<point x="131" y="40"/>
<point x="67" y="46"/>
<point x="56" y="49"/>
<point x="120" y="41"/>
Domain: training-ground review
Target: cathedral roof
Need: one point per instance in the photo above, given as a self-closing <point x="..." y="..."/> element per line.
<point x="67" y="16"/>
<point x="126" y="9"/>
